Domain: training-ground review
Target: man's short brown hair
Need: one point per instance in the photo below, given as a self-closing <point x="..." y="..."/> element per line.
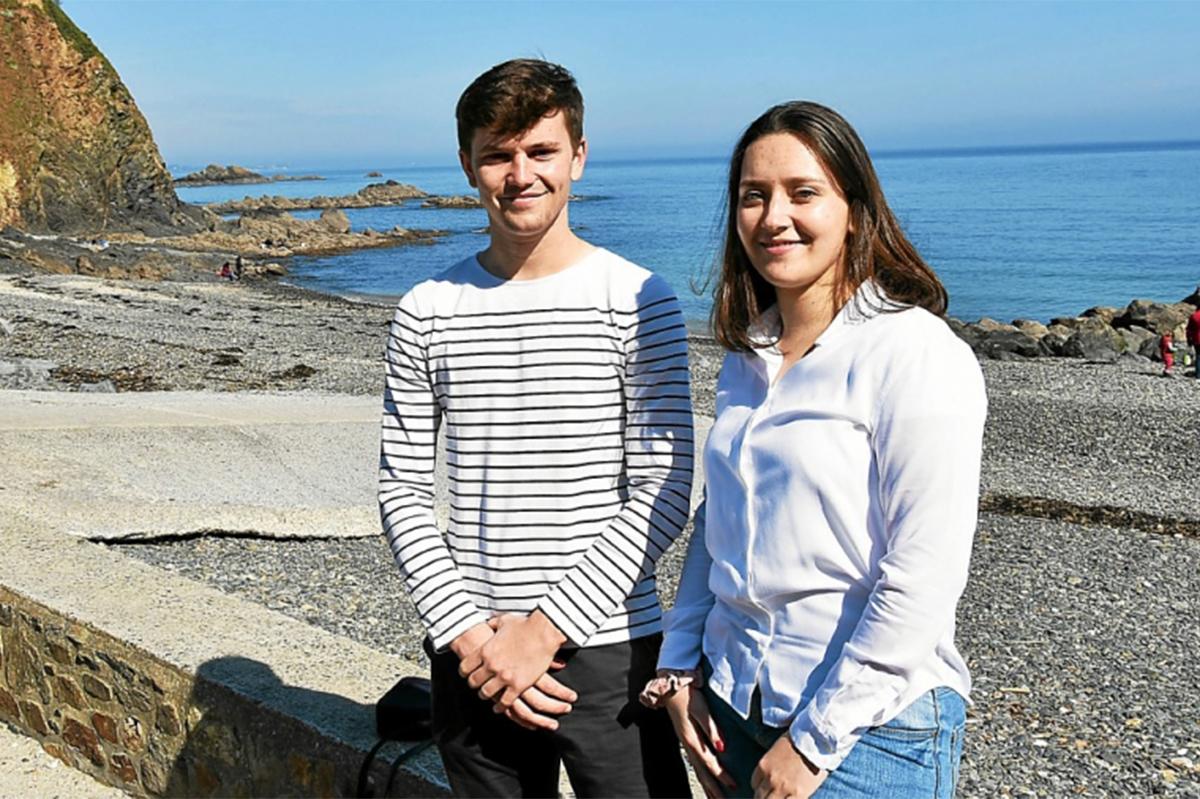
<point x="511" y="98"/>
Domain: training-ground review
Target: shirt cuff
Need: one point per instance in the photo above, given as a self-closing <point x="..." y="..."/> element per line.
<point x="446" y="637"/>
<point x="821" y="748"/>
<point x="680" y="650"/>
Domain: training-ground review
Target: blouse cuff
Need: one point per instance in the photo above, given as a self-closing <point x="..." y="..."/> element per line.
<point x="666" y="682"/>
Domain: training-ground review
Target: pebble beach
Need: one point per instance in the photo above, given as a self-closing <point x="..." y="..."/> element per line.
<point x="1078" y="621"/>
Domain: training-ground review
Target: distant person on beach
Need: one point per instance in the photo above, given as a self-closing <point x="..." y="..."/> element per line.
<point x="811" y="649"/>
<point x="239" y="265"/>
<point x="1166" y="349"/>
<point x="226" y="273"/>
<point x="558" y="372"/>
<point x="1193" y="340"/>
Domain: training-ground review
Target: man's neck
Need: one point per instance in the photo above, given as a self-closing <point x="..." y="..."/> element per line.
<point x="514" y="258"/>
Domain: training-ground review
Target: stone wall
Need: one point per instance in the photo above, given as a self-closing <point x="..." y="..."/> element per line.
<point x="130" y="719"/>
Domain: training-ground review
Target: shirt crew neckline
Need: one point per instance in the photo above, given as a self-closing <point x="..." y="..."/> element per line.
<point x="489" y="280"/>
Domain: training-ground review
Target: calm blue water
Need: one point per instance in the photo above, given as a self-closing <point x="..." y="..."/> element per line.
<point x="1025" y="234"/>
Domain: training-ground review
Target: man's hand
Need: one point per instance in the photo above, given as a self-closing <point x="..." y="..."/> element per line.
<point x="513" y="659"/>
<point x="784" y="772"/>
<point x="701" y="739"/>
<point x="467" y="643"/>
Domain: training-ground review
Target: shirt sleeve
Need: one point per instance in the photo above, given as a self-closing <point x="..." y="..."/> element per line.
<point x="658" y="468"/>
<point x="683" y="625"/>
<point x="408" y="442"/>
<point x="927" y="442"/>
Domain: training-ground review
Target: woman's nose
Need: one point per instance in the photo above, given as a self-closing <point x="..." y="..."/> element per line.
<point x="775" y="212"/>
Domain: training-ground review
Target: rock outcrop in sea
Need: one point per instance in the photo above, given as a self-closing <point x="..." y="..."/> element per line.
<point x="373" y="195"/>
<point x="1098" y="334"/>
<point x="217" y="175"/>
<point x="76" y="154"/>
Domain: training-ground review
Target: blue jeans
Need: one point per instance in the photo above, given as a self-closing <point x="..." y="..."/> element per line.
<point x="913" y="756"/>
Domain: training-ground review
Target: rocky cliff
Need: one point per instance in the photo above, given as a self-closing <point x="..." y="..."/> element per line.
<point x="76" y="155"/>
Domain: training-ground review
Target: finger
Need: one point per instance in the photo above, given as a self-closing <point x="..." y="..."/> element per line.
<point x="756" y="779"/>
<point x="558" y="664"/>
<point x="712" y="789"/>
<point x="494" y="623"/>
<point x="542" y="702"/>
<point x="490" y="689"/>
<point x="522" y="714"/>
<point x="702" y="756"/>
<point x="507" y="697"/>
<point x="698" y="710"/>
<point x="470" y="663"/>
<point x="552" y="687"/>
<point x="479" y="676"/>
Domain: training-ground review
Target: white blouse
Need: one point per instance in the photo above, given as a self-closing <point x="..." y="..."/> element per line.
<point x="835" y="537"/>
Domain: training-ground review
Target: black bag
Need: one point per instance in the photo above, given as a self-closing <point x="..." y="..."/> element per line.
<point x="404" y="713"/>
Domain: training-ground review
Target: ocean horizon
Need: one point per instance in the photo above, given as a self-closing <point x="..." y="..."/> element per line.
<point x="1029" y="232"/>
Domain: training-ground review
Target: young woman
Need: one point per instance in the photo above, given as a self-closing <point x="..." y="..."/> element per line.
<point x="811" y="647"/>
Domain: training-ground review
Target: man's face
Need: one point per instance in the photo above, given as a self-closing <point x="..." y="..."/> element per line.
<point x="524" y="180"/>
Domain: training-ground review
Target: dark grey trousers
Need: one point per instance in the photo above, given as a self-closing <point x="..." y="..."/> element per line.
<point x="609" y="743"/>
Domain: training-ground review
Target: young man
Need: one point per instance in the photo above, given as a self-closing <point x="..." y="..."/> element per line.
<point x="559" y="373"/>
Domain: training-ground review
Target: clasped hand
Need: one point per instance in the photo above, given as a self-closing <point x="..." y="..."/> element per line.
<point x="512" y="665"/>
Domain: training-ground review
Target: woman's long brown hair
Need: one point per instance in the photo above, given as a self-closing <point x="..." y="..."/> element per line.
<point x="877" y="249"/>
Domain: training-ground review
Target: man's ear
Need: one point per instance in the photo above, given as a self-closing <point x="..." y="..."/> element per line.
<point x="464" y="160"/>
<point x="579" y="159"/>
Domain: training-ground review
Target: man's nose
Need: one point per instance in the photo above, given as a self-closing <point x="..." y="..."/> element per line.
<point x="521" y="172"/>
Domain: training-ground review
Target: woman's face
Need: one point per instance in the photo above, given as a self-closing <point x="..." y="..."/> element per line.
<point x="791" y="216"/>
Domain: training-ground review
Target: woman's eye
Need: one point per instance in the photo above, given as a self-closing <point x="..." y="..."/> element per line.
<point x="804" y="194"/>
<point x="751" y="197"/>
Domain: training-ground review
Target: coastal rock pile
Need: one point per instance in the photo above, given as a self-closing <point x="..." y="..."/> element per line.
<point x="1098" y="334"/>
<point x="76" y="154"/>
<point x="461" y="201"/>
<point x="280" y="235"/>
<point x="376" y="194"/>
<point x="217" y="175"/>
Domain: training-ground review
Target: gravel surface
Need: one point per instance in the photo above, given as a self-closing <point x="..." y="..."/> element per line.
<point x="1093" y="434"/>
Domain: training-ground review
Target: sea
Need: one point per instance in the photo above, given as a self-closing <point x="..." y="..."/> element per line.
<point x="1014" y="233"/>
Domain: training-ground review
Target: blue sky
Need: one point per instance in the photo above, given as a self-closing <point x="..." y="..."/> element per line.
<point x="373" y="84"/>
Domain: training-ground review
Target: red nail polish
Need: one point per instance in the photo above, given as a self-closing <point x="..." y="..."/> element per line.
<point x="719" y="744"/>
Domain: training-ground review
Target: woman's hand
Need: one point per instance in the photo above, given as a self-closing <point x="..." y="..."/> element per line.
<point x="784" y="772"/>
<point x="701" y="739"/>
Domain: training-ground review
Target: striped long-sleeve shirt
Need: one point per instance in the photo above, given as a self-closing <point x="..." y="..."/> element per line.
<point x="568" y="443"/>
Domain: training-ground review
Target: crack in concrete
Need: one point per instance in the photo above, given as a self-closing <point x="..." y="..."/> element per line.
<point x="136" y="539"/>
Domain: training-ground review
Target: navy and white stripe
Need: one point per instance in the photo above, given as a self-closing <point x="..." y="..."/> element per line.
<point x="568" y="444"/>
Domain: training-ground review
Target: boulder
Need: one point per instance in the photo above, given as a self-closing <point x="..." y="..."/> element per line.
<point x="374" y="174"/>
<point x="1136" y="338"/>
<point x="1104" y="312"/>
<point x="991" y="339"/>
<point x="1193" y="299"/>
<point x="1030" y="328"/>
<point x="335" y="220"/>
<point x="1157" y="316"/>
<point x="1055" y="343"/>
<point x="1094" y="340"/>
